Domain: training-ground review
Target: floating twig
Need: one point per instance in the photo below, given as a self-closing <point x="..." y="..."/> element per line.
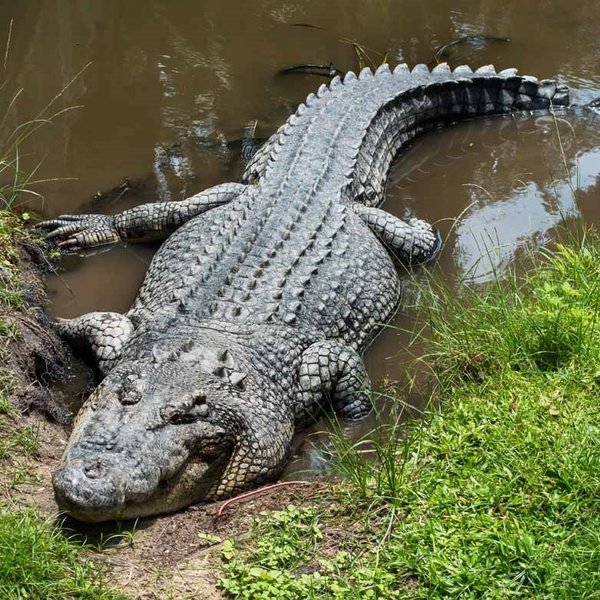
<point x="471" y="39"/>
<point x="308" y="25"/>
<point x="329" y="70"/>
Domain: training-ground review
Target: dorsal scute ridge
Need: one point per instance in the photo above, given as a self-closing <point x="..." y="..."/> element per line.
<point x="401" y="69"/>
<point x="424" y="86"/>
<point x="441" y="69"/>
<point x="383" y="69"/>
<point x="421" y="69"/>
<point x="420" y="76"/>
<point x="349" y="77"/>
<point x="486" y="70"/>
<point x="323" y="90"/>
<point x="311" y="99"/>
<point x="463" y="70"/>
<point x="365" y="73"/>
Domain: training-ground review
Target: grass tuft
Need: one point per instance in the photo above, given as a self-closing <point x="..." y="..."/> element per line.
<point x="37" y="562"/>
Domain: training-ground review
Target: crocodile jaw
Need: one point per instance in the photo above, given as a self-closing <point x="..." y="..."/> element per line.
<point x="157" y="455"/>
<point x="106" y="500"/>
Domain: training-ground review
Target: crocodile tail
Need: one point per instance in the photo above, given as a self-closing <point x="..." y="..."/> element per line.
<point x="408" y="102"/>
<point x="385" y="109"/>
<point x="483" y="91"/>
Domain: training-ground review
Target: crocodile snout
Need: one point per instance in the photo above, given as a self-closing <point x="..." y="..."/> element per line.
<point x="89" y="491"/>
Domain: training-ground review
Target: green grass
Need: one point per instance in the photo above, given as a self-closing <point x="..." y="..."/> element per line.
<point x="36" y="561"/>
<point x="497" y="494"/>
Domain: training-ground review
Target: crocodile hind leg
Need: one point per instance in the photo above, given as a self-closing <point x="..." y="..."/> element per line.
<point x="332" y="372"/>
<point x="102" y="333"/>
<point x="411" y="241"/>
<point x="148" y="221"/>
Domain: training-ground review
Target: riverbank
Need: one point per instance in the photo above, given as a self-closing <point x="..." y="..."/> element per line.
<point x="42" y="558"/>
<point x="36" y="559"/>
<point x="495" y="495"/>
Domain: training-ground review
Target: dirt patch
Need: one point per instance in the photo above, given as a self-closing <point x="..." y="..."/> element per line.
<point x="33" y="420"/>
<point x="177" y="555"/>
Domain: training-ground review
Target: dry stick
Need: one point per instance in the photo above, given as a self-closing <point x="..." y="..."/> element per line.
<point x="10" y="26"/>
<point x="258" y="491"/>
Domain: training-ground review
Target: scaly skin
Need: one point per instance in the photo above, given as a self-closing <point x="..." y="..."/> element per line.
<point x="252" y="318"/>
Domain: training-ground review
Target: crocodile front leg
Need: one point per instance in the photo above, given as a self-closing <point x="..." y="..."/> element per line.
<point x="332" y="372"/>
<point x="148" y="221"/>
<point x="102" y="333"/>
<point x="412" y="241"/>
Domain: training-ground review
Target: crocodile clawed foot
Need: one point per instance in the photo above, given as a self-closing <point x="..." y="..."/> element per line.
<point x="74" y="233"/>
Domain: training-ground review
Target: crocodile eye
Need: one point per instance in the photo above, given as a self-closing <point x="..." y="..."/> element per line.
<point x="176" y="415"/>
<point x="199" y="398"/>
<point x="180" y="414"/>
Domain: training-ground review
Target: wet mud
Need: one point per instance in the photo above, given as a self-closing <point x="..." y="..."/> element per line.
<point x="35" y="357"/>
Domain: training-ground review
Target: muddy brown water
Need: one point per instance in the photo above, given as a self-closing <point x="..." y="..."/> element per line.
<point x="168" y="87"/>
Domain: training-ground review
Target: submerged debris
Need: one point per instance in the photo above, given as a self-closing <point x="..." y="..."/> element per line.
<point x="480" y="39"/>
<point x="329" y="70"/>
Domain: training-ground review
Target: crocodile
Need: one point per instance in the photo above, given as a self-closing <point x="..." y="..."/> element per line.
<point x="255" y="311"/>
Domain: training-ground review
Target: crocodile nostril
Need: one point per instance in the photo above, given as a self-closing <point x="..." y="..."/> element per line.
<point x="94" y="470"/>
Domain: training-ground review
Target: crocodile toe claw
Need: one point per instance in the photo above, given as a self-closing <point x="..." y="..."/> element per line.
<point x="79" y="232"/>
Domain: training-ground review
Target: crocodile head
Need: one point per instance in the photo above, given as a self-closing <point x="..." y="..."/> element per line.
<point x="158" y="435"/>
